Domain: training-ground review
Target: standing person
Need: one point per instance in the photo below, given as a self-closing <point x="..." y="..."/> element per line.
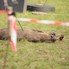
<point x="6" y="3"/>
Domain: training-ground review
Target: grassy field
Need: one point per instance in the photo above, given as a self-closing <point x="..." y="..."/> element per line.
<point x="39" y="55"/>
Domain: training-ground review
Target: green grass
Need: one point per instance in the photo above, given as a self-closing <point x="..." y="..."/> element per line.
<point x="39" y="55"/>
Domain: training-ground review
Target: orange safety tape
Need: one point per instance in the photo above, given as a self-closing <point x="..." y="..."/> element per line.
<point x="3" y="11"/>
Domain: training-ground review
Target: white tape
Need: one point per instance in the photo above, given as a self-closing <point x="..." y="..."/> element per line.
<point x="43" y="21"/>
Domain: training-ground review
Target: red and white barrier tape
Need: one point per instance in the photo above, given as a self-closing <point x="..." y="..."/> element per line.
<point x="3" y="11"/>
<point x="43" y="21"/>
<point x="14" y="30"/>
<point x="39" y="21"/>
<point x="13" y="33"/>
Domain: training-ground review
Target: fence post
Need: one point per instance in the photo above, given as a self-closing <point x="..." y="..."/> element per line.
<point x="25" y="6"/>
<point x="10" y="9"/>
